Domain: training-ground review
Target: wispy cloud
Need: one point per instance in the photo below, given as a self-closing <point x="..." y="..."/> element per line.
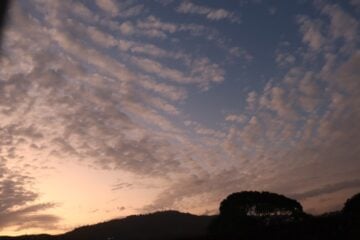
<point x="213" y="14"/>
<point x="17" y="206"/>
<point x="328" y="189"/>
<point x="109" y="6"/>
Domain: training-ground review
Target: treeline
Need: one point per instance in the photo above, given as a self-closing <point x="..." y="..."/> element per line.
<point x="242" y="216"/>
<point x="264" y="215"/>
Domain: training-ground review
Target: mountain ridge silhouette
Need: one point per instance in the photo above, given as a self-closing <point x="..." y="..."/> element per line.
<point x="243" y="215"/>
<point x="169" y="224"/>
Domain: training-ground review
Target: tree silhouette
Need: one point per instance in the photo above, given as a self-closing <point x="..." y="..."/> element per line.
<point x="252" y="203"/>
<point x="352" y="205"/>
<point x="251" y="215"/>
<point x="351" y="212"/>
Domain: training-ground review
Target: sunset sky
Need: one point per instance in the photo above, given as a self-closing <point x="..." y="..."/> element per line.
<point x="110" y="108"/>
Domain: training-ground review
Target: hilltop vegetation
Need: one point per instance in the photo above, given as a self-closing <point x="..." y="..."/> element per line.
<point x="244" y="215"/>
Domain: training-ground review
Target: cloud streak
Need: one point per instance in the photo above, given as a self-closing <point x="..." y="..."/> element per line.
<point x="212" y="14"/>
<point x="327" y="189"/>
<point x="17" y="206"/>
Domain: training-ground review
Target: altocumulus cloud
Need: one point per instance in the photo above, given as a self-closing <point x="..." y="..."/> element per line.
<point x="77" y="85"/>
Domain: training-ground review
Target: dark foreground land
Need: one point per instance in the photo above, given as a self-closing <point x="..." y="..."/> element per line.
<point x="245" y="215"/>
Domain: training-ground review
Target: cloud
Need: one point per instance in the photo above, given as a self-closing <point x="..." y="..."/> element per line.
<point x="127" y="28"/>
<point x="297" y="130"/>
<point x="164" y="2"/>
<point x="252" y="100"/>
<point x="83" y="11"/>
<point x="339" y="19"/>
<point x="284" y="59"/>
<point x="112" y="122"/>
<point x="235" y="118"/>
<point x="275" y="99"/>
<point x="207" y="186"/>
<point x="104" y="40"/>
<point x="155" y="23"/>
<point x="328" y="189"/>
<point x="309" y="98"/>
<point x="205" y="72"/>
<point x="237" y="52"/>
<point x="312" y="34"/>
<point x="355" y="3"/>
<point x="110" y="96"/>
<point x="17" y="208"/>
<point x="109" y="6"/>
<point x="100" y="122"/>
<point x="169" y="91"/>
<point x="204" y="131"/>
<point x="132" y="10"/>
<point x="151" y="27"/>
<point x="319" y="34"/>
<point x="212" y="14"/>
<point x="202" y="71"/>
<point x="157" y="68"/>
<point x="29" y="218"/>
<point x="161" y="104"/>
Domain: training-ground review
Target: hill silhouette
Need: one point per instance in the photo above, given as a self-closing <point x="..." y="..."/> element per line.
<point x="245" y="215"/>
<point x="158" y="225"/>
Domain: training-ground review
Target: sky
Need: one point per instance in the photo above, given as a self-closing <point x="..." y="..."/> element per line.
<point x="111" y="108"/>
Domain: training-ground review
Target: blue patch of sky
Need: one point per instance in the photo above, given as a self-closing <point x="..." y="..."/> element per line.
<point x="347" y="7"/>
<point x="260" y="34"/>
